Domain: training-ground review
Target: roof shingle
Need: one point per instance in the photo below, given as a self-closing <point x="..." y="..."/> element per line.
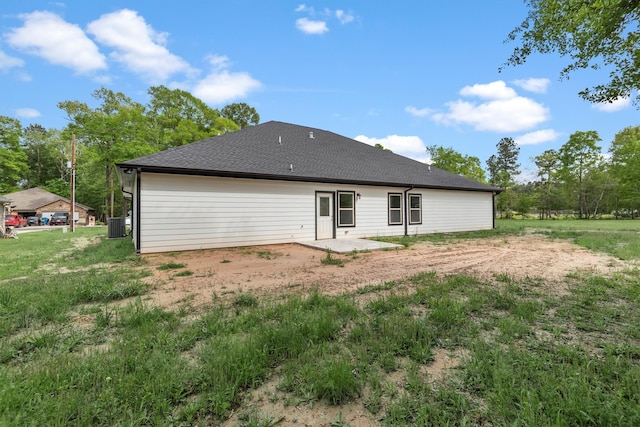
<point x="277" y="150"/>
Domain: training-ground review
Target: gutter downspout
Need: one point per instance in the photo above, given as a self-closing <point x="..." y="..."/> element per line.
<point x="131" y="194"/>
<point x="406" y="211"/>
<point x="136" y="212"/>
<point x="493" y="216"/>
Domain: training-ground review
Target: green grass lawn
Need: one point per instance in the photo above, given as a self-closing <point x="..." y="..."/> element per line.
<point x="620" y="238"/>
<point x="71" y="354"/>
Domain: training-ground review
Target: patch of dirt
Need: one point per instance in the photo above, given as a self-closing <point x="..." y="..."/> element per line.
<point x="278" y="270"/>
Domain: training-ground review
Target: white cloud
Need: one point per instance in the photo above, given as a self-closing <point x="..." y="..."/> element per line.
<point x="221" y="85"/>
<point x="344" y="17"/>
<point x="308" y="26"/>
<point x="23" y="77"/>
<point x="219" y="62"/>
<point x="527" y="174"/>
<point x="419" y="112"/>
<point x="408" y="146"/>
<point x="611" y="107"/>
<point x="493" y="90"/>
<point x="503" y="111"/>
<point x="27" y="113"/>
<point x="537" y="137"/>
<point x="304" y="8"/>
<point x="533" y="85"/>
<point x="48" y="36"/>
<point x="7" y="62"/>
<point x="137" y="45"/>
<point x="320" y="25"/>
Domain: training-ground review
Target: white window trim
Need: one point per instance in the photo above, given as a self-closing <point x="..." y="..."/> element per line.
<point x="352" y="209"/>
<point x="419" y="209"/>
<point x="390" y="209"/>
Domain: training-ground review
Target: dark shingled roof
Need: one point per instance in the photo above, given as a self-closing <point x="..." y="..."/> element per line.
<point x="276" y="150"/>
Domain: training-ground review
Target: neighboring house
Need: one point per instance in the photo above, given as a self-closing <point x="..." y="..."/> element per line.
<point x="280" y="183"/>
<point x="39" y="202"/>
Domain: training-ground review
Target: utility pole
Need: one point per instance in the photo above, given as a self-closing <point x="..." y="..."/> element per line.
<point x="73" y="182"/>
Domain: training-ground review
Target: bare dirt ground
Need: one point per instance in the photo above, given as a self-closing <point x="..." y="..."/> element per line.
<point x="282" y="269"/>
<point x="279" y="270"/>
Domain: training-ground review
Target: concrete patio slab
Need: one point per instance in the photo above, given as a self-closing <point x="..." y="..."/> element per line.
<point x="343" y="246"/>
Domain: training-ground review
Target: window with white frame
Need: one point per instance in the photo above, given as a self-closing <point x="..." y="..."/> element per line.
<point x="395" y="209"/>
<point x="346" y="209"/>
<point x="415" y="208"/>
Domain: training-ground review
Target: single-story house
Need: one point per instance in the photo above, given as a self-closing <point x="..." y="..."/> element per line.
<point x="38" y="202"/>
<point x="283" y="183"/>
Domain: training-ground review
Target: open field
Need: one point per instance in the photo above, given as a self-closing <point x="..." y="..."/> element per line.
<point x="534" y="323"/>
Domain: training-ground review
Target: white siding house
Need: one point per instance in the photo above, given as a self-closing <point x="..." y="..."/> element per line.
<point x="245" y="188"/>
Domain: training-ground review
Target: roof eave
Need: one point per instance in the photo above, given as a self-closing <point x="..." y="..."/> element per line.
<point x="296" y="178"/>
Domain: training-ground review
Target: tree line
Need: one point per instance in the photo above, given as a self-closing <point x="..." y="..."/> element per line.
<point x="118" y="129"/>
<point x="578" y="178"/>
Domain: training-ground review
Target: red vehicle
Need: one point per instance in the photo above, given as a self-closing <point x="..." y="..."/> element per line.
<point x="14" y="220"/>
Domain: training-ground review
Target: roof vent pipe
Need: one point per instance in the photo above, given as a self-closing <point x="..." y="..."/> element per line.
<point x="291" y="167"/>
<point x="280" y="140"/>
<point x="310" y="135"/>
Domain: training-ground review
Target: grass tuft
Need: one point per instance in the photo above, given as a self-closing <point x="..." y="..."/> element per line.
<point x="170" y="266"/>
<point x="330" y="260"/>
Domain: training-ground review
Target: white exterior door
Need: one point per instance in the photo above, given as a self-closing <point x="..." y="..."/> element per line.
<point x="324" y="216"/>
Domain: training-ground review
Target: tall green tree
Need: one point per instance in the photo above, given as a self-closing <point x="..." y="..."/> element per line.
<point x="599" y="188"/>
<point x="524" y="198"/>
<point x="452" y="161"/>
<point x="116" y="130"/>
<point x="177" y="117"/>
<point x="47" y="156"/>
<point x="503" y="168"/>
<point x="591" y="34"/>
<point x="579" y="157"/>
<point x="13" y="160"/>
<point x="625" y="166"/>
<point x="548" y="163"/>
<point x="241" y="114"/>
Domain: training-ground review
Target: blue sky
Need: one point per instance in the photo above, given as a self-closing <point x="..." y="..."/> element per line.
<point x="405" y="74"/>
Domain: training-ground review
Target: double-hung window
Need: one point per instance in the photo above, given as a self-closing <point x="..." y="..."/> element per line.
<point x="415" y="208"/>
<point x="346" y="209"/>
<point x="395" y="208"/>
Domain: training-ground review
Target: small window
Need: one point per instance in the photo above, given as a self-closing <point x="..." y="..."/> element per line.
<point x="395" y="209"/>
<point x="325" y="204"/>
<point x="346" y="209"/>
<point x="415" y="208"/>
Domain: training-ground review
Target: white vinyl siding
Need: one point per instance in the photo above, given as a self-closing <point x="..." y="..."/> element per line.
<point x="185" y="213"/>
<point x="179" y="212"/>
<point x="447" y="211"/>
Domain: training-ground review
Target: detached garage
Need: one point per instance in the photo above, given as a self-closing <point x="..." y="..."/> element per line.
<point x="284" y="183"/>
